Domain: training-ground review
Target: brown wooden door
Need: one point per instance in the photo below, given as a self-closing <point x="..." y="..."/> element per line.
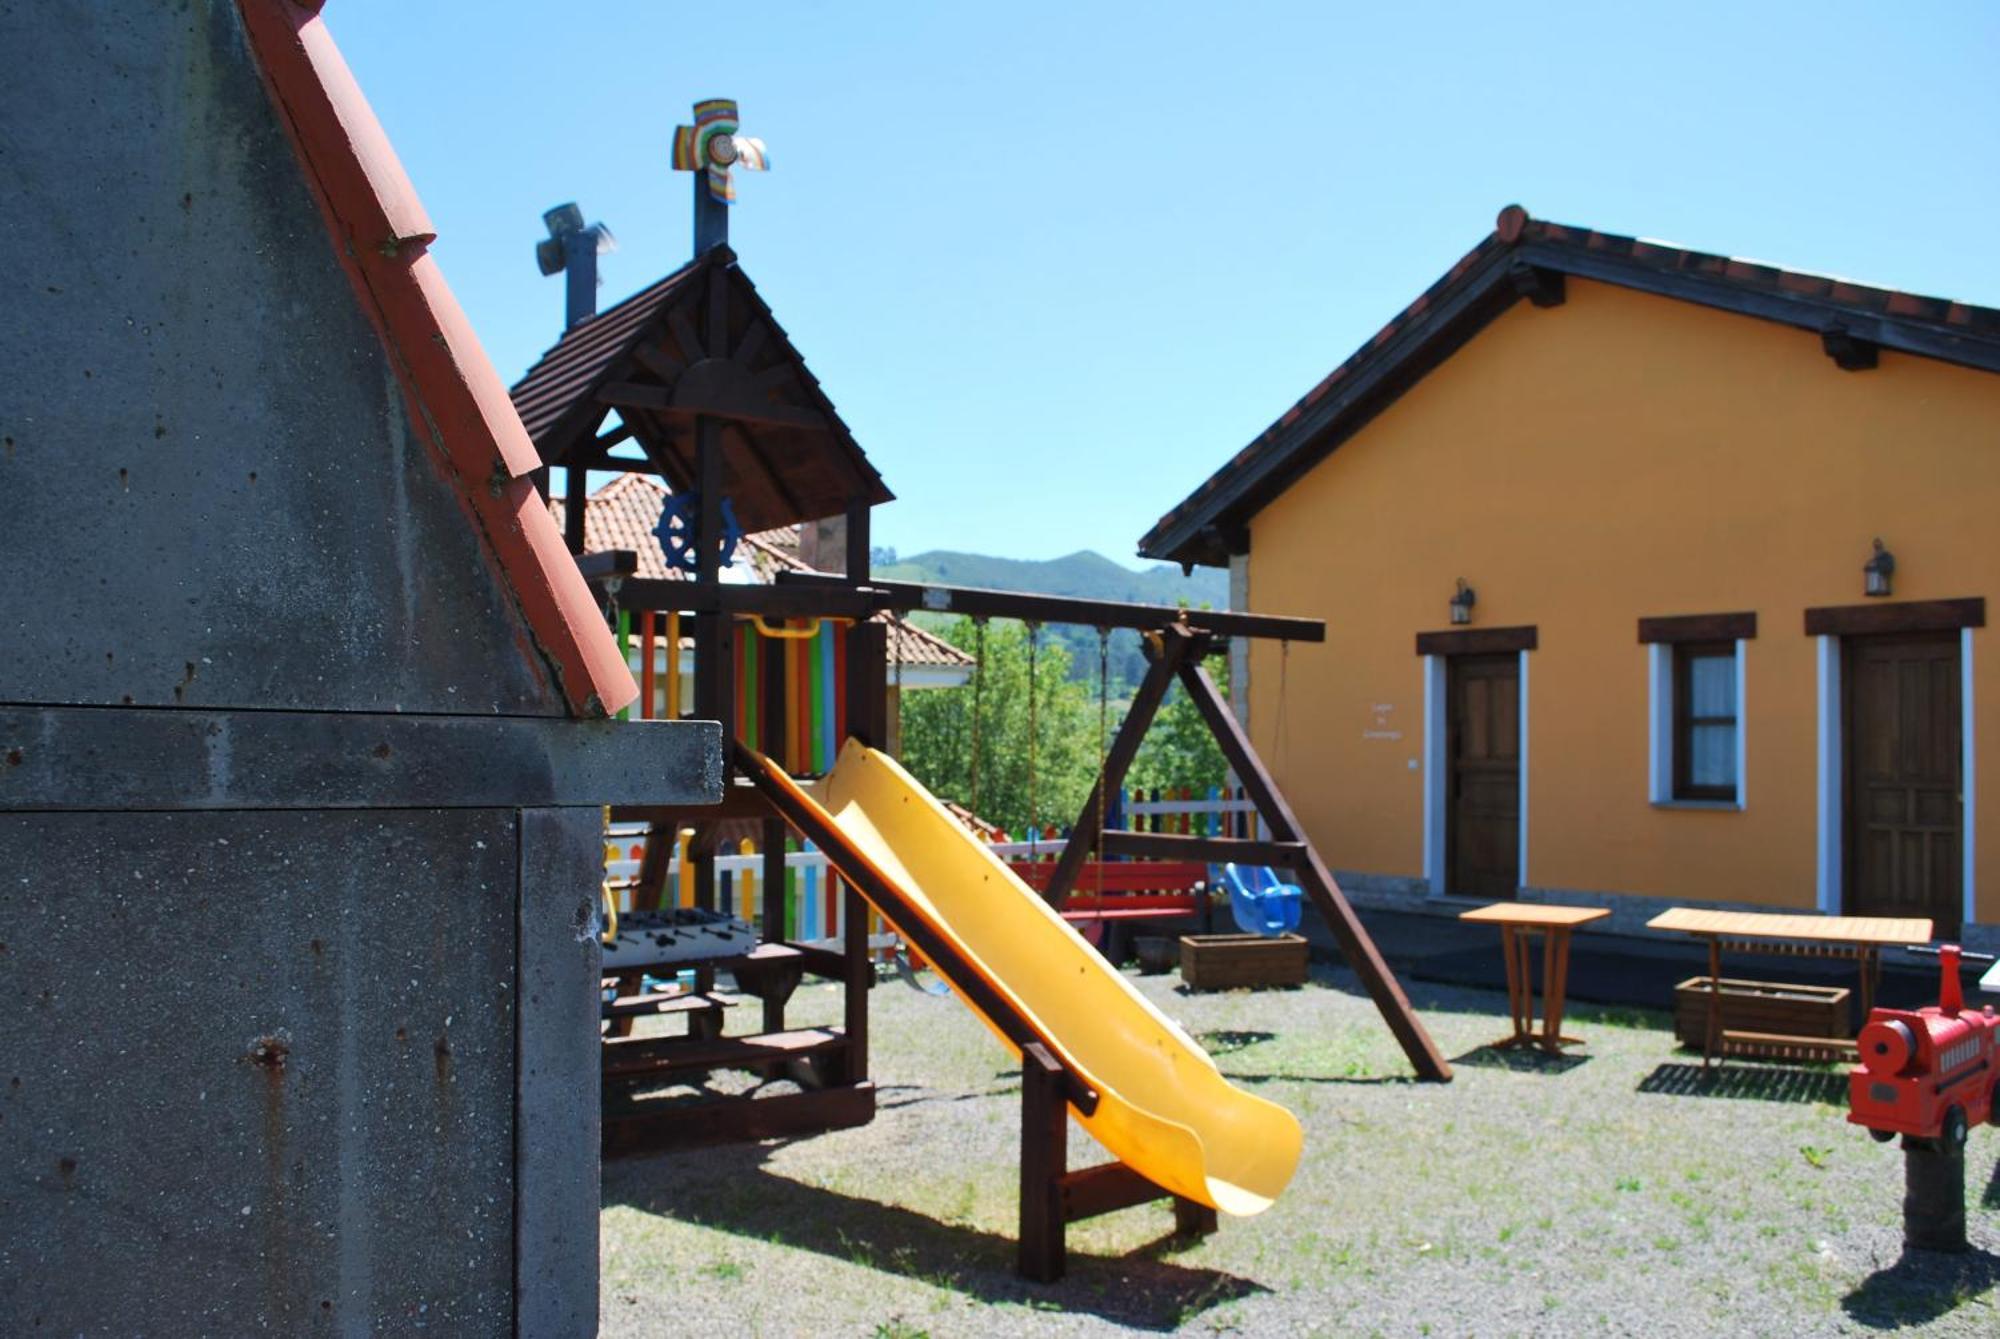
<point x="1483" y="800"/>
<point x="1904" y="804"/>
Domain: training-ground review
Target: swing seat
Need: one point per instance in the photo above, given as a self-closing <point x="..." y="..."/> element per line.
<point x="1261" y="904"/>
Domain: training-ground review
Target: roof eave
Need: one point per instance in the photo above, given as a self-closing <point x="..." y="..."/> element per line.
<point x="1449" y="318"/>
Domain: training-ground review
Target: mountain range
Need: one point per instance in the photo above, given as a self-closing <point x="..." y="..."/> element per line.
<point x="1082" y="575"/>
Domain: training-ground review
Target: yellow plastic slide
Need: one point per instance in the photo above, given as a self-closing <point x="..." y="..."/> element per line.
<point x="1163" y="1109"/>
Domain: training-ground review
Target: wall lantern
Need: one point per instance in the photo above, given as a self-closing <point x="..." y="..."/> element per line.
<point x="1877" y="570"/>
<point x="1463" y="600"/>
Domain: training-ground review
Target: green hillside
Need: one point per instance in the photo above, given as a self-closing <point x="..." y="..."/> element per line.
<point x="1082" y="575"/>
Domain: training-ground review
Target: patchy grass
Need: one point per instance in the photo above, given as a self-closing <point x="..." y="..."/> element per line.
<point x="1618" y="1191"/>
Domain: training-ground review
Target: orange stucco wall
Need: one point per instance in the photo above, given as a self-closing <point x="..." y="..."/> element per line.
<point x="1582" y="466"/>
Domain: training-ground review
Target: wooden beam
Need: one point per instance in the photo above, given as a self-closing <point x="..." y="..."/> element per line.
<point x="1850" y="353"/>
<point x="1028" y="606"/>
<point x="1477" y="641"/>
<point x="1206" y="850"/>
<point x="1699" y="628"/>
<point x="1543" y="287"/>
<point x="1862" y="620"/>
<point x="606" y="563"/>
<point x="655" y="359"/>
<point x="1166" y="662"/>
<point x="789" y="601"/>
<point x="1314" y="877"/>
<point x="576" y="502"/>
<point x="1091" y="1192"/>
<point x="648" y="1125"/>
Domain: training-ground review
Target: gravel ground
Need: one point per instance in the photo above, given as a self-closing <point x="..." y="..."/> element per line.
<point x="1600" y="1195"/>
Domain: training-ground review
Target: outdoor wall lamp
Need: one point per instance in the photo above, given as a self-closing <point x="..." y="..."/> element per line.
<point x="1877" y="571"/>
<point x="1462" y="602"/>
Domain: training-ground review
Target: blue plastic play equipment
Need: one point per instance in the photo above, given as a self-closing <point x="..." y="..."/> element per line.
<point x="1261" y="905"/>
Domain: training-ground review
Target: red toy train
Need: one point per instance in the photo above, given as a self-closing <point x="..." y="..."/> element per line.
<point x="1927" y="1073"/>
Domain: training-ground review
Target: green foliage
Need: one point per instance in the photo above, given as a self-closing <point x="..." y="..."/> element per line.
<point x="1179" y="750"/>
<point x="1084" y="575"/>
<point x="939" y="736"/>
<point x="938" y="743"/>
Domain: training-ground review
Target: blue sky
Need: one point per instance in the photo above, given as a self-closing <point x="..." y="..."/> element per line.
<point x="1056" y="262"/>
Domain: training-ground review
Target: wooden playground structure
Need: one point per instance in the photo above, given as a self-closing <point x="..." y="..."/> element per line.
<point x="712" y="398"/>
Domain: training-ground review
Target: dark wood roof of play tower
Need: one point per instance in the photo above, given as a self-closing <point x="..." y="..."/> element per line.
<point x="787" y="458"/>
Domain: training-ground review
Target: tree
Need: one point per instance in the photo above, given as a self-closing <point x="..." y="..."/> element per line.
<point x="1179" y="750"/>
<point x="939" y="735"/>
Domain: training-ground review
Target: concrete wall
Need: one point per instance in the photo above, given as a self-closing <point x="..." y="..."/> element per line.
<point x="1619" y="456"/>
<point x="211" y="460"/>
<point x="296" y="1035"/>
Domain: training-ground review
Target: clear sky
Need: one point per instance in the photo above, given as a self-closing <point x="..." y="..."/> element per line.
<point x="1054" y="263"/>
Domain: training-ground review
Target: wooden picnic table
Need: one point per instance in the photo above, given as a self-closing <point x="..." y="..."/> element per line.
<point x="1518" y="922"/>
<point x="1860" y="939"/>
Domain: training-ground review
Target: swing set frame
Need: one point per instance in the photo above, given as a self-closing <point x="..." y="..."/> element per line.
<point x="715" y="400"/>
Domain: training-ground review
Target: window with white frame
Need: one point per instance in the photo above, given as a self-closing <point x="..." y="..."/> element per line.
<point x="1706" y="721"/>
<point x="1696" y="741"/>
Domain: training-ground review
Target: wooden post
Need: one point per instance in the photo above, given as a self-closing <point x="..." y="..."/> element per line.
<point x="860" y="976"/>
<point x="1933" y="1195"/>
<point x="1317" y="881"/>
<point x="1117" y="761"/>
<point x="701" y="851"/>
<point x="713" y="658"/>
<point x="1044" y="1158"/>
<point x="648" y="649"/>
<point x="650" y="892"/>
<point x="1192" y="1219"/>
<point x="575" y="500"/>
<point x="865" y="709"/>
<point x="773" y="928"/>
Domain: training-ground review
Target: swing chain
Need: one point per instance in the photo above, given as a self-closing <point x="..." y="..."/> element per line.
<point x="1103" y="722"/>
<point x="978" y="698"/>
<point x="897" y="628"/>
<point x="1034" y="803"/>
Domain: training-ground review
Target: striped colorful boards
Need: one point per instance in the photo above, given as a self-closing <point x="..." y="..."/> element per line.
<point x="790" y="698"/>
<point x="805" y="737"/>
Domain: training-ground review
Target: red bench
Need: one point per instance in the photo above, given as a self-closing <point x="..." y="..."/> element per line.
<point x="1118" y="890"/>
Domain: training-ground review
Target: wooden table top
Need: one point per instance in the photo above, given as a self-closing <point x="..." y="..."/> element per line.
<point x="1781" y="925"/>
<point x="1533" y="913"/>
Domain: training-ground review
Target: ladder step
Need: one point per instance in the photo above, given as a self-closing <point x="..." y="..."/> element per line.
<point x="628" y="1056"/>
<point x="664" y="1002"/>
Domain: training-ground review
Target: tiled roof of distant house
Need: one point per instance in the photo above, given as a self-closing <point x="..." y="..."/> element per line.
<point x="623" y="514"/>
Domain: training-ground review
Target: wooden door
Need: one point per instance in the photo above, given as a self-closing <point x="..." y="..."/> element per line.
<point x="1904" y="805"/>
<point x="1483" y="797"/>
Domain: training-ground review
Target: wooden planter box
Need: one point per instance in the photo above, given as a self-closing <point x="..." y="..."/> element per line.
<point x="1227" y="962"/>
<point x="1762" y="1006"/>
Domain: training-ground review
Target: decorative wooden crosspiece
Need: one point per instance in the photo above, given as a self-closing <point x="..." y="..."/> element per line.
<point x="711" y="148"/>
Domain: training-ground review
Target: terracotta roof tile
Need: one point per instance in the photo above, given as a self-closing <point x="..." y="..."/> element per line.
<point x="624" y="513"/>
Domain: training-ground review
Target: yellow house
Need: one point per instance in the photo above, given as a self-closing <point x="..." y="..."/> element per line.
<point x="1650" y="577"/>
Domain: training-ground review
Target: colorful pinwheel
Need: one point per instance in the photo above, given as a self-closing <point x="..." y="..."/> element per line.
<point x="712" y="144"/>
